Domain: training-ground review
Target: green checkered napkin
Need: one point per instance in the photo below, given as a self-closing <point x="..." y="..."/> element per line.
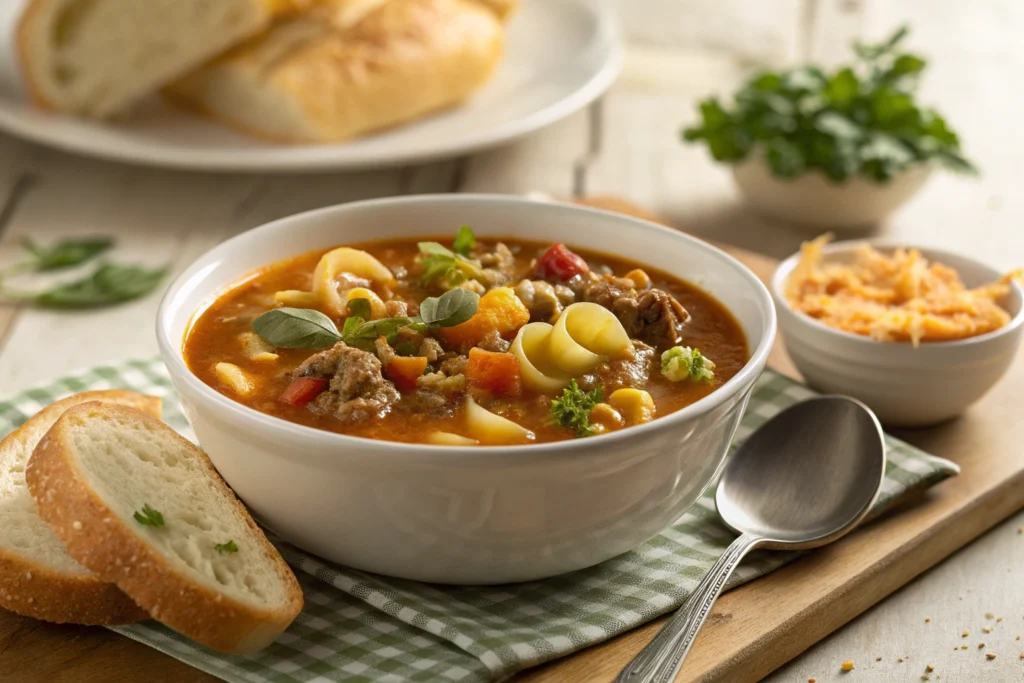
<point x="362" y="627"/>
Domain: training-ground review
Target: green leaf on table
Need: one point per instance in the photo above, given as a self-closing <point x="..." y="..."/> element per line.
<point x="297" y="328"/>
<point x="66" y="253"/>
<point x="109" y="284"/>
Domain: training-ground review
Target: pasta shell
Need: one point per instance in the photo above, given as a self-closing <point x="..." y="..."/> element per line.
<point x="346" y="260"/>
<point x="491" y="428"/>
<point x="439" y="438"/>
<point x="583" y="333"/>
<point x="530" y="347"/>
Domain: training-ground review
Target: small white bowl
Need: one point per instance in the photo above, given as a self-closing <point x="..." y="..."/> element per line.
<point x="812" y="200"/>
<point x="905" y="386"/>
<point x="476" y="515"/>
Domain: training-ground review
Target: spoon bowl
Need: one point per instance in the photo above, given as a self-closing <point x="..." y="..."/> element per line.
<point x="807" y="476"/>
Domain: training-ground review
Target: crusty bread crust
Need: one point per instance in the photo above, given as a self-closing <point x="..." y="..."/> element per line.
<point x="105" y="543"/>
<point x="23" y="38"/>
<point x="35" y="590"/>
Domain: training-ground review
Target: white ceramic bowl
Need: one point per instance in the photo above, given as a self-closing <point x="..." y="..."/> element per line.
<point x="812" y="200"/>
<point x="905" y="386"/>
<point x="479" y="515"/>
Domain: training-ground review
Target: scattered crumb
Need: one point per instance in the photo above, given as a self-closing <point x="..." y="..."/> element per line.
<point x="929" y="668"/>
<point x="812" y="680"/>
<point x="986" y="629"/>
<point x="1020" y="530"/>
<point x="981" y="645"/>
<point x="878" y="659"/>
<point x="900" y="659"/>
<point x="927" y="619"/>
<point x="989" y="615"/>
<point x="998" y="619"/>
<point x="1017" y="638"/>
<point x="847" y="665"/>
<point x="965" y="634"/>
<point x="924" y="677"/>
<point x="990" y="655"/>
<point x="963" y="647"/>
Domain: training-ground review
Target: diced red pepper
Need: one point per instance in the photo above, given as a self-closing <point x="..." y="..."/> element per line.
<point x="302" y="390"/>
<point x="558" y="263"/>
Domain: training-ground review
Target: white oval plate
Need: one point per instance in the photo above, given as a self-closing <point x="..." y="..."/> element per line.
<point x="560" y="56"/>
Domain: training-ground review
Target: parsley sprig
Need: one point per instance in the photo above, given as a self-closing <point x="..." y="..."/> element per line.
<point x="226" y="548"/>
<point x="149" y="517"/>
<point x="442" y="265"/>
<point x="860" y="120"/>
<point x="572" y="409"/>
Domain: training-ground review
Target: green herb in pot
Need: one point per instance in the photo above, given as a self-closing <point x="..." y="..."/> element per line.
<point x="860" y="120"/>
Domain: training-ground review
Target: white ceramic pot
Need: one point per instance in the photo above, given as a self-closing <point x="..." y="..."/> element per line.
<point x="479" y="515"/>
<point x="813" y="201"/>
<point x="905" y="386"/>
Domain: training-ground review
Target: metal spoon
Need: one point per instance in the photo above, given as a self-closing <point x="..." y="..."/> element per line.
<point x="802" y="480"/>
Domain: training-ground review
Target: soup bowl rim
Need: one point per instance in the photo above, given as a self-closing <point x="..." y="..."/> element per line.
<point x="296" y="434"/>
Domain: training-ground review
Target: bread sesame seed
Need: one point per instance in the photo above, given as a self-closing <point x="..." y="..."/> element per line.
<point x="990" y="655"/>
<point x="965" y="634"/>
<point x="989" y="615"/>
<point x="981" y="645"/>
<point x="986" y="629"/>
<point x="927" y="619"/>
<point x="900" y="660"/>
<point x="28" y="575"/>
<point x="76" y="525"/>
<point x="924" y="677"/>
<point x="878" y="659"/>
<point x="963" y="647"/>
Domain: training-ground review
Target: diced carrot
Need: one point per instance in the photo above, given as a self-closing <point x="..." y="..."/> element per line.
<point x="499" y="309"/>
<point x="494" y="373"/>
<point x="302" y="390"/>
<point x="404" y="370"/>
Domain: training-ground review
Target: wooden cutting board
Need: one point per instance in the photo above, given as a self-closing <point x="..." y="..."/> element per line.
<point x="753" y="629"/>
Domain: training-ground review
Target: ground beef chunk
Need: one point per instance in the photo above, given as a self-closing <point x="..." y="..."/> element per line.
<point x="384" y="352"/>
<point x="431" y="349"/>
<point x="357" y="389"/>
<point x="456" y="365"/>
<point x="492" y="341"/>
<point x="498" y="266"/>
<point x="622" y="372"/>
<point x="652" y="315"/>
<point x="544" y="300"/>
<point x="396" y="308"/>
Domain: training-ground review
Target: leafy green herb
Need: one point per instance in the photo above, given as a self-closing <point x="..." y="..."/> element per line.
<point x="109" y="284"/>
<point x="149" y="517"/>
<point x="66" y="253"/>
<point x="681" y="362"/>
<point x="226" y="548"/>
<point x="452" y="308"/>
<point x="860" y="120"/>
<point x="360" y="308"/>
<point x="441" y="264"/>
<point x="296" y="328"/>
<point x="306" y="328"/>
<point x="572" y="410"/>
<point x="465" y="240"/>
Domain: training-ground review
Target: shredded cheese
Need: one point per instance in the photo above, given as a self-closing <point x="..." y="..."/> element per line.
<point x="895" y="298"/>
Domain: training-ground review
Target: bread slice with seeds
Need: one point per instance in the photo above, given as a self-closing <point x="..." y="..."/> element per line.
<point x="142" y="507"/>
<point x="37" y="576"/>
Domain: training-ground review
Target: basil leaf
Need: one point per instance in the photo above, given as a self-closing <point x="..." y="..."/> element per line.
<point x="454" y="307"/>
<point x="109" y="284"/>
<point x="360" y="308"/>
<point x="435" y="249"/>
<point x="226" y="548"/>
<point x="296" y="328"/>
<point x="352" y="323"/>
<point x="67" y="253"/>
<point x="464" y="241"/>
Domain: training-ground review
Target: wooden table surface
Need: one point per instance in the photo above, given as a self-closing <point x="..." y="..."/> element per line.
<point x="626" y="144"/>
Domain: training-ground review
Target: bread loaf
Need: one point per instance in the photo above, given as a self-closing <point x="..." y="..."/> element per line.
<point x="98" y="57"/>
<point x="349" y="67"/>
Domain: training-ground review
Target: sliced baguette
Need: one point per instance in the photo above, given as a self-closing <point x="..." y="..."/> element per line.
<point x="98" y="57"/>
<point x="99" y="465"/>
<point x="37" y="577"/>
<point x="348" y="68"/>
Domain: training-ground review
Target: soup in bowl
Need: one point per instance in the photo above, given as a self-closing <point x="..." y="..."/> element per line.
<point x="466" y="389"/>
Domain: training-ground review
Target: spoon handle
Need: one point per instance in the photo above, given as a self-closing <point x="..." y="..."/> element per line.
<point x="661" y="659"/>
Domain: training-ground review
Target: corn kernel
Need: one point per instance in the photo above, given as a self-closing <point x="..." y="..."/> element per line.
<point x="604" y="418"/>
<point x="641" y="279"/>
<point x="635" y="405"/>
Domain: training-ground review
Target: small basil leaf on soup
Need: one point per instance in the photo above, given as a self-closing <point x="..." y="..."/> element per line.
<point x="465" y="240"/>
<point x="360" y="308"/>
<point x="296" y="328"/>
<point x="454" y="307"/>
<point x="439" y="262"/>
<point x="67" y="253"/>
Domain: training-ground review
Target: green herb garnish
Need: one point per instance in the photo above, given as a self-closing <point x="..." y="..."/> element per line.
<point x="108" y="284"/>
<point x="360" y="308"/>
<point x="149" y="517"/>
<point x="861" y="120"/>
<point x="306" y="328"/>
<point x="572" y="410"/>
<point x="439" y="263"/>
<point x="66" y="253"/>
<point x="226" y="548"/>
<point x="465" y="240"/>
<point x="682" y="362"/>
